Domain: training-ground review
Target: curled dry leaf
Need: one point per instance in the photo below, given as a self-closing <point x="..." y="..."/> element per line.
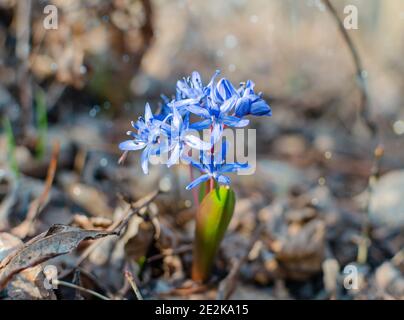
<point x="28" y="284"/>
<point x="58" y="240"/>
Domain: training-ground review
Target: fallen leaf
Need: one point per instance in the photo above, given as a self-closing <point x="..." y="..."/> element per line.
<point x="58" y="240"/>
<point x="29" y="284"/>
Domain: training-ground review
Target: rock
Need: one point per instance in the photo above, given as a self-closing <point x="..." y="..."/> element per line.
<point x="387" y="200"/>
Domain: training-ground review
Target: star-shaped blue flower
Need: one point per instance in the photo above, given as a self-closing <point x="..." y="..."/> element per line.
<point x="220" y="100"/>
<point x="251" y="103"/>
<point x="149" y="131"/>
<point x="180" y="136"/>
<point x="213" y="167"/>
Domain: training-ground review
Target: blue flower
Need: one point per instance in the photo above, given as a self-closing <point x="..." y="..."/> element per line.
<point x="221" y="98"/>
<point x="190" y="93"/>
<point x="191" y="87"/>
<point x="218" y="104"/>
<point x="251" y="103"/>
<point x="165" y="109"/>
<point x="148" y="137"/>
<point x="213" y="167"/>
<point x="180" y="135"/>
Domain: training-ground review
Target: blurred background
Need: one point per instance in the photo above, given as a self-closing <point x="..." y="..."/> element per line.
<point x="330" y="181"/>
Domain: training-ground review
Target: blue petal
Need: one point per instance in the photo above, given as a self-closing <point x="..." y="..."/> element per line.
<point x="196" y="143"/>
<point x="183" y="103"/>
<point x="243" y="107"/>
<point x="204" y="124"/>
<point x="131" y="145"/>
<point x="148" y="115"/>
<point x="196" y="80"/>
<point x="184" y="88"/>
<point x="226" y="89"/>
<point x="198" y="110"/>
<point x="233" y="167"/>
<point x="250" y="86"/>
<point x="232" y="121"/>
<point x="260" y="108"/>
<point x="228" y="105"/>
<point x="197" y="181"/>
<point x="224" y="150"/>
<point x="175" y="156"/>
<point x="223" y="179"/>
<point x="177" y="119"/>
<point x="216" y="133"/>
<point x="212" y="80"/>
<point x="144" y="160"/>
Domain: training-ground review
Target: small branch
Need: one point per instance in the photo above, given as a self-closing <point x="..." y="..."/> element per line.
<point x="135" y="208"/>
<point x="364" y="241"/>
<point x="131" y="280"/>
<point x="73" y="286"/>
<point x="364" y="108"/>
<point x="38" y="204"/>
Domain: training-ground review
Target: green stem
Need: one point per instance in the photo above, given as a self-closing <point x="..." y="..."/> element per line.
<point x="212" y="220"/>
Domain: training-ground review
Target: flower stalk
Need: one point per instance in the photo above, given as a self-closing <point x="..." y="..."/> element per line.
<point x="216" y="105"/>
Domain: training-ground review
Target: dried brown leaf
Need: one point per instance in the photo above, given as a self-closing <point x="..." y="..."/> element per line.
<point x="58" y="240"/>
<point x="29" y="284"/>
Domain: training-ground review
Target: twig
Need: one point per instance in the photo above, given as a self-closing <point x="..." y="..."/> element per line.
<point x="136" y="207"/>
<point x="364" y="241"/>
<point x="23" y="229"/>
<point x="363" y="109"/>
<point x="77" y="281"/>
<point x="131" y="280"/>
<point x="73" y="286"/>
<point x="229" y="284"/>
<point x="115" y="228"/>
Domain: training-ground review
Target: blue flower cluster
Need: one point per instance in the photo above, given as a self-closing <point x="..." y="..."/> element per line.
<point x="218" y="104"/>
